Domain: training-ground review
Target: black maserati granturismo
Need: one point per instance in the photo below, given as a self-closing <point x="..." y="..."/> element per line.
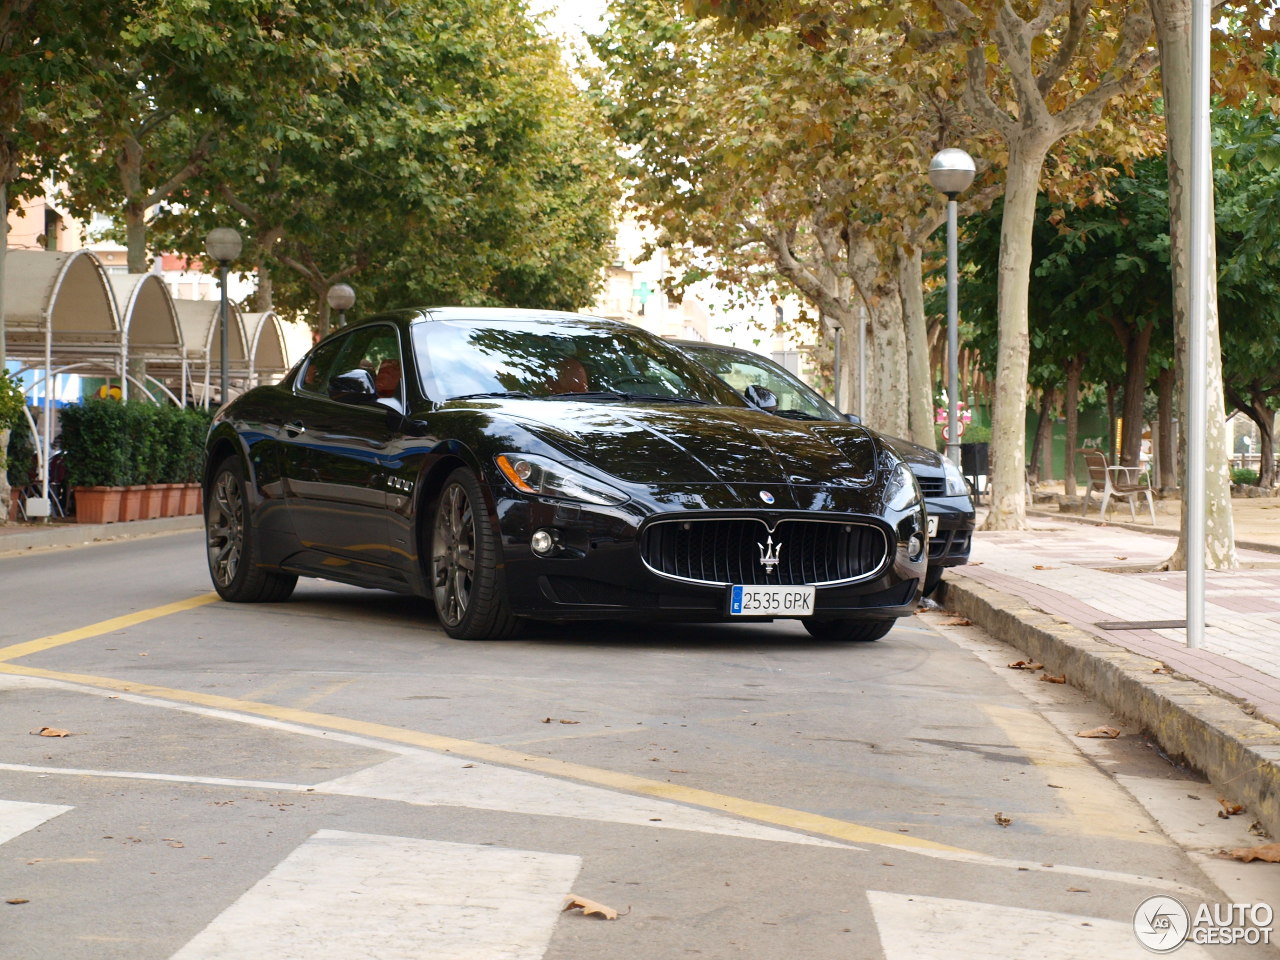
<point x="518" y="465"/>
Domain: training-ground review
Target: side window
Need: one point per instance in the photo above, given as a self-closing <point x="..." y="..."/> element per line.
<point x="321" y="366"/>
<point x="375" y="348"/>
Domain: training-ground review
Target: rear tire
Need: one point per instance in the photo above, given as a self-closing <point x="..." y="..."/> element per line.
<point x="235" y="564"/>
<point x="848" y="631"/>
<point x="465" y="552"/>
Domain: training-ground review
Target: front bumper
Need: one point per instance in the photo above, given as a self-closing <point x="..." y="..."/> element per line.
<point x="598" y="574"/>
<point x="956" y="519"/>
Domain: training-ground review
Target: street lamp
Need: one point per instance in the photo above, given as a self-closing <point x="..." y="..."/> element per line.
<point x="223" y="244"/>
<point x="341" y="298"/>
<point x="951" y="171"/>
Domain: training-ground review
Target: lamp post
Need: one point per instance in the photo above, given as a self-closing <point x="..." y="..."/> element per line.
<point x="341" y="298"/>
<point x="223" y="244"/>
<point x="951" y="171"/>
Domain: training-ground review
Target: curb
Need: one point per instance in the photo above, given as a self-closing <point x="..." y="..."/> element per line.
<point x="1191" y="723"/>
<point x="85" y="534"/>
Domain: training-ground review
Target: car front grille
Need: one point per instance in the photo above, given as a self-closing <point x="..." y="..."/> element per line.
<point x="730" y="551"/>
<point x="932" y="486"/>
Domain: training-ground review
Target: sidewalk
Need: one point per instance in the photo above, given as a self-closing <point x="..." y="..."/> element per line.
<point x="1083" y="599"/>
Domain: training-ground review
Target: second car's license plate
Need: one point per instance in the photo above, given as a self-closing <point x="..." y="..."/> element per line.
<point x="751" y="601"/>
<point x="933" y="526"/>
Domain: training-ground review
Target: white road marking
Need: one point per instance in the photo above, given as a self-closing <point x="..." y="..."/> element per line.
<point x="17" y="817"/>
<point x="353" y="896"/>
<point x="432" y="780"/>
<point x="934" y="928"/>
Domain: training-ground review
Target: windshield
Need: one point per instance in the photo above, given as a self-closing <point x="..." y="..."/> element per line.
<point x="796" y="399"/>
<point x="558" y="359"/>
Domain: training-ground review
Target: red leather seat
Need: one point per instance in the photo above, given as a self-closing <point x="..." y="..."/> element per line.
<point x="387" y="380"/>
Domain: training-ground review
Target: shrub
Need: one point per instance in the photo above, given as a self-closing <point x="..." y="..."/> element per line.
<point x="22" y="453"/>
<point x="1243" y="477"/>
<point x="94" y="443"/>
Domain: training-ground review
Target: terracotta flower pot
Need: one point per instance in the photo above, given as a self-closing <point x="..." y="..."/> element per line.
<point x="190" y="499"/>
<point x="98" y="504"/>
<point x="172" y="505"/>
<point x="131" y="502"/>
<point x="152" y="501"/>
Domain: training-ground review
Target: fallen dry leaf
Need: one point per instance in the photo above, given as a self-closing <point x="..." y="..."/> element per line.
<point x="1062" y="678"/>
<point x="1077" y="889"/>
<point x="589" y="908"/>
<point x="1122" y="558"/>
<point x="1037" y="566"/>
<point x="1231" y="809"/>
<point x="957" y="622"/>
<point x="1268" y="852"/>
<point x="50" y="732"/>
<point x="1026" y="665"/>
<point x="1003" y="820"/>
<point x="1162" y="670"/>
<point x="17" y="900"/>
<point x="570" y="721"/>
<point x="1100" y="733"/>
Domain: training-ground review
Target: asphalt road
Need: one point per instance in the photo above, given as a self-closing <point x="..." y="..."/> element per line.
<point x="333" y="777"/>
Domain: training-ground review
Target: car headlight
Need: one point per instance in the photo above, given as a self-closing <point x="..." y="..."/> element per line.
<point x="546" y="478"/>
<point x="956" y="484"/>
<point x="903" y="490"/>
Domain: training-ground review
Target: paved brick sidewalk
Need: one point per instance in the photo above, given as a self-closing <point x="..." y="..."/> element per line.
<point x="1078" y="573"/>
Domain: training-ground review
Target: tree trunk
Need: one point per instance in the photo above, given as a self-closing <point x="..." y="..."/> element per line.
<point x="4" y="475"/>
<point x="1166" y="444"/>
<point x="1137" y="346"/>
<point x="1113" y="440"/>
<point x="1009" y="408"/>
<point x="1035" y="467"/>
<point x="1267" y="448"/>
<point x="263" y="295"/>
<point x="1173" y="33"/>
<point x="887" y="376"/>
<point x="919" y="377"/>
<point x="1075" y="367"/>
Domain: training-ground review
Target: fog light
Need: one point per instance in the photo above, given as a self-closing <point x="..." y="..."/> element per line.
<point x="543" y="542"/>
<point x="915" y="546"/>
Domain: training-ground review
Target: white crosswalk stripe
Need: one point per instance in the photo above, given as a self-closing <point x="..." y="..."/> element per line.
<point x="352" y="896"/>
<point x="913" y="927"/>
<point x="17" y="817"/>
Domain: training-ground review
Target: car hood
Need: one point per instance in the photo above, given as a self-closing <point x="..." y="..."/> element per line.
<point x="690" y="444"/>
<point x="921" y="460"/>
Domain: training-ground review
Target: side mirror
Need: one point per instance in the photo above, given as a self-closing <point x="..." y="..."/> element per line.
<point x="762" y="398"/>
<point x="354" y="386"/>
<point x="853" y="418"/>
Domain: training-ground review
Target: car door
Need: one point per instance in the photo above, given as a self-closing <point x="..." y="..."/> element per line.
<point x="335" y="456"/>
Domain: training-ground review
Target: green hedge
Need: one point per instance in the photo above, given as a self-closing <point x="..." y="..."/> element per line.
<point x="113" y="444"/>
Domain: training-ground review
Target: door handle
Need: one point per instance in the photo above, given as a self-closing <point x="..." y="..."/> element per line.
<point x="294" y="428"/>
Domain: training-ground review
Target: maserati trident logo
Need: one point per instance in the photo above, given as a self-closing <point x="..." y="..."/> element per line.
<point x="769" y="552"/>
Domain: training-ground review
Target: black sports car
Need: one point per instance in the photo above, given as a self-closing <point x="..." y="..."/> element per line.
<point x="518" y="465"/>
<point x="946" y="494"/>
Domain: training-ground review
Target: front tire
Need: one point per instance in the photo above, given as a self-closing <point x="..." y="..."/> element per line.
<point x="467" y="582"/>
<point x="848" y="631"/>
<point x="235" y="564"/>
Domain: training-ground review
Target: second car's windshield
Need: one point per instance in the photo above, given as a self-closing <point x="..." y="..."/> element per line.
<point x="576" y="359"/>
<point x="795" y="398"/>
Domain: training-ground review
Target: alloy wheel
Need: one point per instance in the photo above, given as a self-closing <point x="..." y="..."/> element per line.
<point x="224" y="527"/>
<point x="453" y="552"/>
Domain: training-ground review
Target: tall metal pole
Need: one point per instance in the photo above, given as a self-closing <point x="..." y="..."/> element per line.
<point x="222" y="272"/>
<point x="953" y="337"/>
<point x="1197" y="318"/>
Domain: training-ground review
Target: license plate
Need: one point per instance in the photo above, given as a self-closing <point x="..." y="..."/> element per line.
<point x="933" y="526"/>
<point x="750" y="601"/>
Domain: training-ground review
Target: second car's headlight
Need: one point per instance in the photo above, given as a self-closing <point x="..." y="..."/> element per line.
<point x="546" y="478"/>
<point x="902" y="488"/>
<point x="956" y="484"/>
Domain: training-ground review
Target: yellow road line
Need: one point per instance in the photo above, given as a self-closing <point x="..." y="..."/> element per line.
<point x="747" y="809"/>
<point x="103" y="626"/>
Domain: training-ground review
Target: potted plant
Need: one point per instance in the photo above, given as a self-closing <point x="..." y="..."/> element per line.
<point x="21" y="457"/>
<point x="11" y="401"/>
<point x="196" y="428"/>
<point x="170" y="440"/>
<point x="93" y="443"/>
<point x="147" y="441"/>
